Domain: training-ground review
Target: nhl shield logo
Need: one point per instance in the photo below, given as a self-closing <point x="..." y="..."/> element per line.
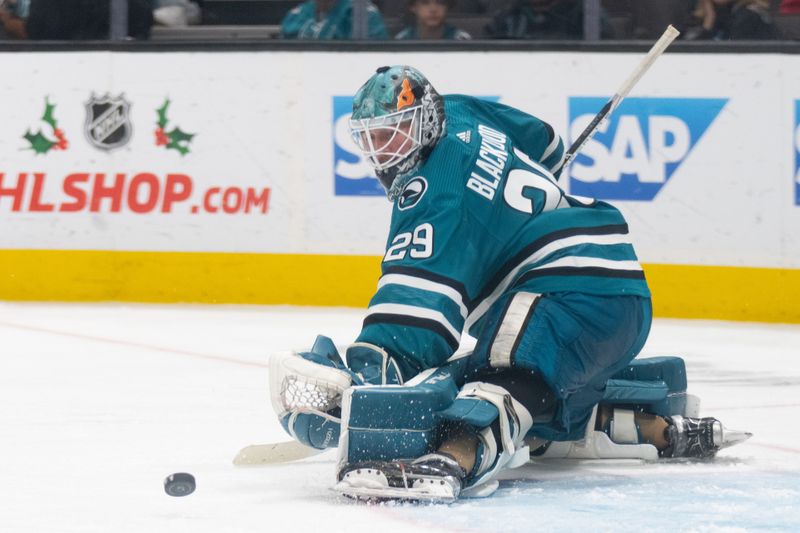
<point x="108" y="124"/>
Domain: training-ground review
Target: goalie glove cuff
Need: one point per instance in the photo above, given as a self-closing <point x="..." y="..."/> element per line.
<point x="313" y="428"/>
<point x="373" y="364"/>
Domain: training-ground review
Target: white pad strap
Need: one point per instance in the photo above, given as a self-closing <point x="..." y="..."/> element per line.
<point x="623" y="427"/>
<point x="512" y="435"/>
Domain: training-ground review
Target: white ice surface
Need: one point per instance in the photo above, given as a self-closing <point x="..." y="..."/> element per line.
<point x="98" y="403"/>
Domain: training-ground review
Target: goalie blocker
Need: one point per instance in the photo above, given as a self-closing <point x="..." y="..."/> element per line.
<point x="390" y="435"/>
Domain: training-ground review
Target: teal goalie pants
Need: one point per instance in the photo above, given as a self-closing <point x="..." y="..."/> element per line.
<point x="573" y="341"/>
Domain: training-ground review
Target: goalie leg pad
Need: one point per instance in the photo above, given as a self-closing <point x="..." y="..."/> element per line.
<point x="653" y="385"/>
<point x="377" y="448"/>
<point x="386" y="423"/>
<point x="501" y="423"/>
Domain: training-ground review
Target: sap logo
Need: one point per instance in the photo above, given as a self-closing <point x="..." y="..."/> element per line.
<point x="797" y="152"/>
<point x="637" y="151"/>
<point x="353" y="175"/>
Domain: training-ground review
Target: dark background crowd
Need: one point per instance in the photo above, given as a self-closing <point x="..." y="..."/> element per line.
<point x="718" y="20"/>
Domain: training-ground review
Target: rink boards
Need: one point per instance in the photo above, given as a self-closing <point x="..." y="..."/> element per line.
<point x="230" y="177"/>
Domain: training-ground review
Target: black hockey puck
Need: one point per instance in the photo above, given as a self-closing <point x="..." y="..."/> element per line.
<point x="179" y="484"/>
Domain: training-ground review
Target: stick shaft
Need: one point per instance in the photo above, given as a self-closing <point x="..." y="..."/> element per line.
<point x="657" y="49"/>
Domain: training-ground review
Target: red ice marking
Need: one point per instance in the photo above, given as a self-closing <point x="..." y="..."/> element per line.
<point x="774" y="447"/>
<point x="195" y="209"/>
<point x="133" y="344"/>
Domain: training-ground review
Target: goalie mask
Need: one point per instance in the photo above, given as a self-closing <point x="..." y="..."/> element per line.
<point x="398" y="117"/>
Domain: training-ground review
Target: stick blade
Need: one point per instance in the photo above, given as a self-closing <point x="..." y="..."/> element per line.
<point x="274" y="453"/>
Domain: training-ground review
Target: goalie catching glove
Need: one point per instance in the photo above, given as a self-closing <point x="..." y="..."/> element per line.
<point x="306" y="387"/>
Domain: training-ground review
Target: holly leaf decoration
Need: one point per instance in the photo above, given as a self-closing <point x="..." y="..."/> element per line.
<point x="177" y="135"/>
<point x="48" y="114"/>
<point x="179" y="140"/>
<point x="162" y="114"/>
<point x="39" y="143"/>
<point x="180" y="148"/>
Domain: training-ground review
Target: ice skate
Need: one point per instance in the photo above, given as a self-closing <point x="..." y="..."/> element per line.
<point x="432" y="478"/>
<point x="699" y="437"/>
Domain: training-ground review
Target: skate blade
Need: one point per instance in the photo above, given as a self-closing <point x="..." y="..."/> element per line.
<point x="372" y="485"/>
<point x="731" y="437"/>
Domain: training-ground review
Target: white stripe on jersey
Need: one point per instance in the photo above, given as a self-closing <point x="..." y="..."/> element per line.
<point x="425" y="285"/>
<point x="552" y="148"/>
<point x="541" y="168"/>
<point x="558" y="165"/>
<point x="544" y="251"/>
<point x="579" y="261"/>
<point x="416" y="312"/>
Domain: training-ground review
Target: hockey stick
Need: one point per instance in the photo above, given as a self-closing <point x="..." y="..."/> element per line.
<point x="658" y="48"/>
<point x="274" y="453"/>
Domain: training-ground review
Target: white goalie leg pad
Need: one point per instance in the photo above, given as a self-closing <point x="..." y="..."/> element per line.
<point x="515" y="421"/>
<point x="299" y="385"/>
<point x="598" y="445"/>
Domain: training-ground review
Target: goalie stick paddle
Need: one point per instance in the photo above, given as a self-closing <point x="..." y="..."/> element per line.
<point x="658" y="48"/>
<point x="274" y="453"/>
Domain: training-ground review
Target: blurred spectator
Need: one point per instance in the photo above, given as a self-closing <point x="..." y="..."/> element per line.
<point x="84" y="19"/>
<point x="722" y="20"/>
<point x="544" y="19"/>
<point x="430" y="18"/>
<point x="176" y="13"/>
<point x="790" y="7"/>
<point x="329" y="19"/>
<point x="12" y="19"/>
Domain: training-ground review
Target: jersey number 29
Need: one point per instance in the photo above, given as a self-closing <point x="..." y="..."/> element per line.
<point x="418" y="244"/>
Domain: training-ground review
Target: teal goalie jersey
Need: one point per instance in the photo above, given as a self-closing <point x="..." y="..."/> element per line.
<point x="483" y="217"/>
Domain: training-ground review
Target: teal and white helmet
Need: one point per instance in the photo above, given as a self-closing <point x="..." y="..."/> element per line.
<point x="398" y="117"/>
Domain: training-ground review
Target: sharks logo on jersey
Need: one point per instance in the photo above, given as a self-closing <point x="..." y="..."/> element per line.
<point x="353" y="176"/>
<point x="635" y="153"/>
<point x="797" y="152"/>
<point x="412" y="193"/>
